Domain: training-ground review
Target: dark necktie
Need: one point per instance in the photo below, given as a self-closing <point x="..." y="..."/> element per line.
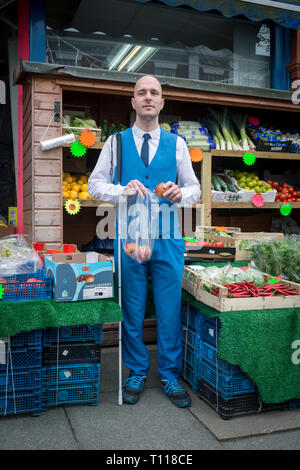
<point x="145" y="150"/>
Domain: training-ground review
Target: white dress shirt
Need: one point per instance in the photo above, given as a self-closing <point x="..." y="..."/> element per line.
<point x="101" y="180"/>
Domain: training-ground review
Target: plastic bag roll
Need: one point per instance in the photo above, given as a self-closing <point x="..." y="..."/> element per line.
<point x="56" y="142"/>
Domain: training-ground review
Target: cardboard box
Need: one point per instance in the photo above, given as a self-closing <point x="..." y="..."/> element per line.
<point x="80" y="276"/>
<point x="6" y="231"/>
<point x="43" y="249"/>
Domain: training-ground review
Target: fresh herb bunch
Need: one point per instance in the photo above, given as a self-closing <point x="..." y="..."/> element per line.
<point x="278" y="257"/>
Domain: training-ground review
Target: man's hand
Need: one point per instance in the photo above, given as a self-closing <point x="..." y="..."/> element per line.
<point x="173" y="192"/>
<point x="135" y="187"/>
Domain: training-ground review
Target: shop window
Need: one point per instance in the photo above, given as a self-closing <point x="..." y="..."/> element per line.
<point x="127" y="36"/>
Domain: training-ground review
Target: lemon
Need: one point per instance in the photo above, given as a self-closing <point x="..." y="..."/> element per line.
<point x="69" y="179"/>
<point x="65" y="194"/>
<point x="84" y="178"/>
<point x="84" y="187"/>
<point x="75" y="187"/>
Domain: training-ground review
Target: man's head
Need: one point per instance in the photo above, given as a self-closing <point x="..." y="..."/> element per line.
<point x="147" y="99"/>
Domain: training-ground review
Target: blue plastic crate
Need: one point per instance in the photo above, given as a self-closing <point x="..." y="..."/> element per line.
<point x="294" y="403"/>
<point x="188" y="374"/>
<point x="55" y="396"/>
<point x="192" y="339"/>
<point x="26" y="401"/>
<point x="227" y="384"/>
<point x="73" y="333"/>
<point x="208" y="352"/>
<point x="71" y="374"/>
<point x="210" y="331"/>
<point x="30" y="338"/>
<point x="20" y="379"/>
<point x="21" y="358"/>
<point x="23" y="290"/>
<point x="191" y="317"/>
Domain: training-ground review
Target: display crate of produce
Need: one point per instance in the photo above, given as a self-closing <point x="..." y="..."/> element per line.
<point x="70" y="395"/>
<point x="248" y="403"/>
<point x="29" y="338"/>
<point x="21" y="358"/>
<point x="189" y="370"/>
<point x="70" y="374"/>
<point x="275" y="146"/>
<point x="195" y="285"/>
<point x="211" y="244"/>
<point x="25" y="401"/>
<point x="66" y="353"/>
<point x="228" y="384"/>
<point x="78" y="130"/>
<point x="92" y="333"/>
<point x="29" y="286"/>
<point x="22" y="379"/>
<point x="233" y="236"/>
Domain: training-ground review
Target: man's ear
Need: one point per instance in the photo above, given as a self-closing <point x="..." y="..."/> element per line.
<point x="162" y="103"/>
<point x="132" y="103"/>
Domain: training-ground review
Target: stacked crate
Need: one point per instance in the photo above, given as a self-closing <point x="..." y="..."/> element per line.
<point x="223" y="386"/>
<point x="71" y="365"/>
<point x="21" y="374"/>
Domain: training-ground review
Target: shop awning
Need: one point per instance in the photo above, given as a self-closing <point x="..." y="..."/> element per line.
<point x="285" y="13"/>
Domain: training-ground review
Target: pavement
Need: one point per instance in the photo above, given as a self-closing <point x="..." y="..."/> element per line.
<point x="154" y="423"/>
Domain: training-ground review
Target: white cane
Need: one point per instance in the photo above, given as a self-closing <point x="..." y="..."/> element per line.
<point x="119" y="155"/>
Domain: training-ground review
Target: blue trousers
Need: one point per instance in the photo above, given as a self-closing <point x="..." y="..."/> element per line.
<point x="166" y="267"/>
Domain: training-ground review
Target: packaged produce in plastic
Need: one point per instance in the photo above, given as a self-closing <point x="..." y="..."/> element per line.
<point x="17" y="256"/>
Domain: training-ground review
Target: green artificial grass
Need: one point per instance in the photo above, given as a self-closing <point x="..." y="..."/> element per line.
<point x="17" y="317"/>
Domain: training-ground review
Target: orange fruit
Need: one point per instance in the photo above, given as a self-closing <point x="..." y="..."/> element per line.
<point x="75" y="187"/>
<point x="80" y="182"/>
<point x="73" y="194"/>
<point x="65" y="194"/>
<point x="83" y="195"/>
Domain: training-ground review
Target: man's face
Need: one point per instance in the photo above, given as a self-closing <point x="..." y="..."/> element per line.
<point x="147" y="100"/>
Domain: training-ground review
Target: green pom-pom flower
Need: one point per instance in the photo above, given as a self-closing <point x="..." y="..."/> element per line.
<point x="285" y="209"/>
<point x="249" y="158"/>
<point x="77" y="149"/>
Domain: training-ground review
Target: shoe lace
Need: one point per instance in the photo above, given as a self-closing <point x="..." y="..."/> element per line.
<point x="175" y="386"/>
<point x="135" y="380"/>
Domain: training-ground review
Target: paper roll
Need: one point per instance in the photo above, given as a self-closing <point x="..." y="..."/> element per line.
<point x="52" y="143"/>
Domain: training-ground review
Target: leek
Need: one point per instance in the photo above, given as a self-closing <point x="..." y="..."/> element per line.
<point x="214" y="129"/>
<point x="222" y="119"/>
<point x="240" y="121"/>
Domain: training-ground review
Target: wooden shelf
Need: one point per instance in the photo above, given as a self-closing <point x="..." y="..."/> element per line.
<point x="92" y="203"/>
<point x="267" y="155"/>
<point x="249" y="205"/>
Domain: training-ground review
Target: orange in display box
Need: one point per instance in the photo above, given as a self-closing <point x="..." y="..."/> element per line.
<point x="80" y="276"/>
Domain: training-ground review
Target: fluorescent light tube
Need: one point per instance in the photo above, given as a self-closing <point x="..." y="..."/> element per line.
<point x="149" y="51"/>
<point x="128" y="57"/>
<point x="123" y="51"/>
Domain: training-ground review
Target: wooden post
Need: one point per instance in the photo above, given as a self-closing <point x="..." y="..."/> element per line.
<point x="206" y="187"/>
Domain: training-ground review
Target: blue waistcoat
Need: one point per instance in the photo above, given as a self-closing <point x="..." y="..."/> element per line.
<point x="162" y="168"/>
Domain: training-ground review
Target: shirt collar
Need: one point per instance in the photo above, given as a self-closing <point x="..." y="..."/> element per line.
<point x="155" y="134"/>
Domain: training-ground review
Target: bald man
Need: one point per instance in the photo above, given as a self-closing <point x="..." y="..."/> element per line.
<point x="150" y="155"/>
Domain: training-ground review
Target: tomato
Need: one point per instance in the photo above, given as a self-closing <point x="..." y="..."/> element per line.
<point x="291" y="190"/>
<point x="282" y="197"/>
<point x="269" y="182"/>
<point x="298" y="199"/>
<point x="205" y="243"/>
<point x="293" y="199"/>
<point x="219" y="243"/>
<point x="289" y="199"/>
<point x="295" y="194"/>
<point x="275" y="184"/>
<point x="285" y="191"/>
<point x="284" y="184"/>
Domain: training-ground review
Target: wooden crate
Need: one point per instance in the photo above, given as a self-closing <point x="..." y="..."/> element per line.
<point x="212" y="253"/>
<point x="223" y="303"/>
<point x="96" y="132"/>
<point x="237" y="236"/>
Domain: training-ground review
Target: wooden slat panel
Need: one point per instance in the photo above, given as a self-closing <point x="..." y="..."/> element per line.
<point x="27" y="202"/>
<point x="43" y="85"/>
<point x="43" y="118"/>
<point x="27" y="94"/>
<point x="47" y="234"/>
<point x="28" y="232"/>
<point x="27" y="127"/>
<point x="27" y="145"/>
<point x="27" y="187"/>
<point x="47" y="217"/>
<point x="47" y="201"/>
<point x="47" y="168"/>
<point x="39" y="132"/>
<point x="52" y="154"/>
<point x="27" y="172"/>
<point x="27" y="217"/>
<point x="45" y="100"/>
<point x="47" y="184"/>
